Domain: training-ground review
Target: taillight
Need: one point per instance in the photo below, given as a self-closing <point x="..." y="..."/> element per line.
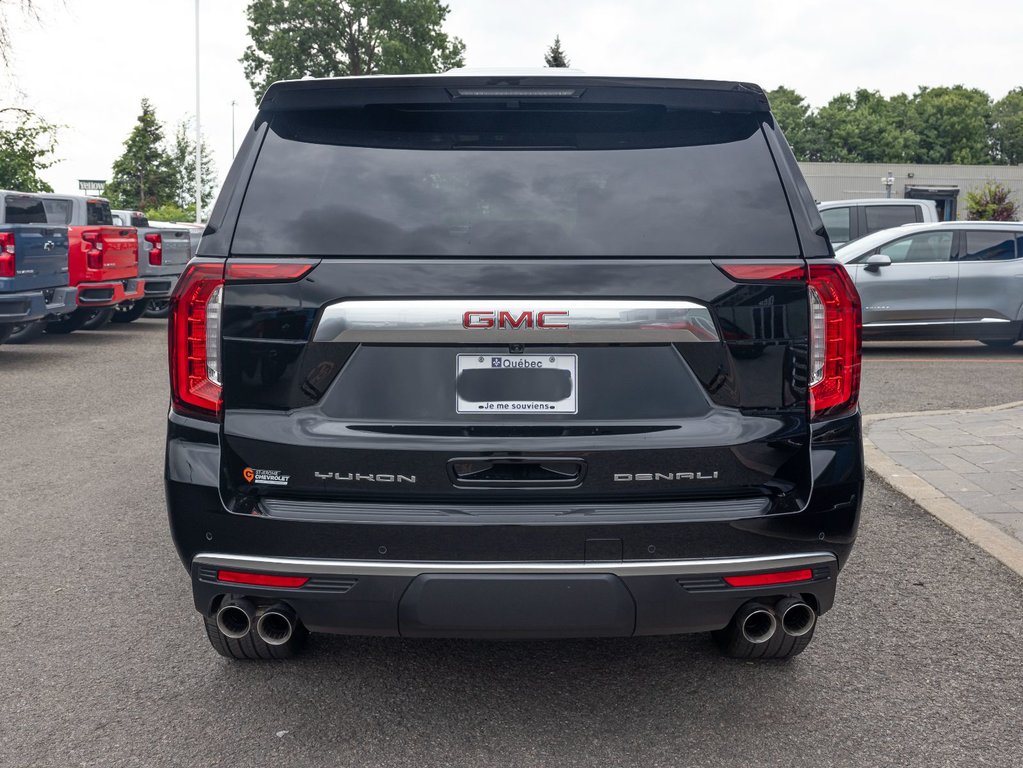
<point x="194" y="335"/>
<point x="92" y="244"/>
<point x="835" y="331"/>
<point x="154" y="244"/>
<point x="6" y="254"/>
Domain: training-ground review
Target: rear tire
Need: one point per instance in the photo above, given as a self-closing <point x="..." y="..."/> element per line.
<point x="159" y="308"/>
<point x="99" y="319"/>
<point x="5" y="332"/>
<point x="129" y="311"/>
<point x="999" y="343"/>
<point x="734" y="644"/>
<point x="26" y="332"/>
<point x="70" y="323"/>
<point x="250" y="647"/>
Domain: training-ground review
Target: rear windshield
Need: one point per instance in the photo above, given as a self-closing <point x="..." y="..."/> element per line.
<point x="58" y="211"/>
<point x="612" y="181"/>
<point x="98" y="212"/>
<point x="24" y="210"/>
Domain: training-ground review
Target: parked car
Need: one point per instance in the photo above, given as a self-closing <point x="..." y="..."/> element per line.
<point x="163" y="253"/>
<point x="160" y="308"/>
<point x="471" y="379"/>
<point x="102" y="259"/>
<point x="950" y="280"/>
<point x="33" y="268"/>
<point x="849" y="220"/>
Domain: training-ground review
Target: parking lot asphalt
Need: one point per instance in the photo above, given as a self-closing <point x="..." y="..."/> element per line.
<point x="103" y="661"/>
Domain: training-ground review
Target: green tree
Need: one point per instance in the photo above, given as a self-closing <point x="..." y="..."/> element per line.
<point x="334" y="38"/>
<point x="182" y="160"/>
<point x="170" y="212"/>
<point x="863" y="127"/>
<point x="1007" y="128"/>
<point x="992" y="202"/>
<point x="27" y="144"/>
<point x="143" y="176"/>
<point x="795" y="120"/>
<point x="555" y="56"/>
<point x="953" y="125"/>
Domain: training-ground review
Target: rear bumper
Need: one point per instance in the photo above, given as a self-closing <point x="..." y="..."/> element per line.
<point x="107" y="294"/>
<point x="160" y="285"/>
<point x="36" y="305"/>
<point x="515" y="600"/>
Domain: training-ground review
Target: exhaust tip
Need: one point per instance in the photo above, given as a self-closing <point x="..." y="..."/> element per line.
<point x="234" y="621"/>
<point x="758" y="625"/>
<point x="797" y="618"/>
<point x="276" y="625"/>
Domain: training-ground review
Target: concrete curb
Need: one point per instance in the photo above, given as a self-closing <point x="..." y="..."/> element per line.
<point x="1000" y="545"/>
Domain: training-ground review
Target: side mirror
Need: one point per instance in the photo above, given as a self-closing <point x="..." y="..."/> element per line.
<point x="878" y="260"/>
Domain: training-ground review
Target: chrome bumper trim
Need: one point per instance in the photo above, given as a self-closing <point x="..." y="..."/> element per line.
<point x="301" y="566"/>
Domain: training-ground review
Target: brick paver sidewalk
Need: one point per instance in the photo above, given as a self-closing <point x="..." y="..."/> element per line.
<point x="973" y="457"/>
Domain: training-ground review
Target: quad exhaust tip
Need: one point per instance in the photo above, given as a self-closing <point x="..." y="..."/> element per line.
<point x="234" y="619"/>
<point x="276" y="625"/>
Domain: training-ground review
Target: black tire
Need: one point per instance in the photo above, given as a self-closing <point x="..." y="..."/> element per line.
<point x="999" y="343"/>
<point x="25" y="333"/>
<point x="70" y="323"/>
<point x="781" y="646"/>
<point x="99" y="319"/>
<point x="129" y="311"/>
<point x="5" y="332"/>
<point x="159" y="308"/>
<point x="250" y="647"/>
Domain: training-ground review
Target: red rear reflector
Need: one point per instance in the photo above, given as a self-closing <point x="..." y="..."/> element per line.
<point x="759" y="272"/>
<point x="835" y="331"/>
<point x="765" y="579"/>
<point x="268" y="270"/>
<point x="262" y="579"/>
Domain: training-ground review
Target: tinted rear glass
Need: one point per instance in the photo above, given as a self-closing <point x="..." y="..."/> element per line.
<point x="613" y="181"/>
<point x="58" y="211"/>
<point x="989" y="246"/>
<point x="98" y="212"/>
<point x="24" y="210"/>
<point x="886" y="216"/>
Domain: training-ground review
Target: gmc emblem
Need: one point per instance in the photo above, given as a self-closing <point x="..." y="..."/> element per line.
<point x="506" y="320"/>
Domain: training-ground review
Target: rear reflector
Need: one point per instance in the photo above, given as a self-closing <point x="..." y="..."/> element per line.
<point x="766" y="579"/>
<point x="262" y="579"/>
<point x="275" y="271"/>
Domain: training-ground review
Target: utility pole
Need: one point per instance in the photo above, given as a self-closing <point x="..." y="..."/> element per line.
<point x="198" y="132"/>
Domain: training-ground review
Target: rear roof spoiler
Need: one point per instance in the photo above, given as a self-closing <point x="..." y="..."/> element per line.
<point x="330" y="93"/>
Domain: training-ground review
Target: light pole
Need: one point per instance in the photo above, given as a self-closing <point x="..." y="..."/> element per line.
<point x="198" y="134"/>
<point x="233" y="102"/>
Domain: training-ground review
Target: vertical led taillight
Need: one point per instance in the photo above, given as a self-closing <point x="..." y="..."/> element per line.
<point x="835" y="341"/>
<point x="196" y="308"/>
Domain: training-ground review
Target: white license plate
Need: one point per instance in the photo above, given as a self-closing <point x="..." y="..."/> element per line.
<point x="516" y="384"/>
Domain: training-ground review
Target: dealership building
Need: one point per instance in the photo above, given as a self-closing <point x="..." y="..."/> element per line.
<point x="947" y="185"/>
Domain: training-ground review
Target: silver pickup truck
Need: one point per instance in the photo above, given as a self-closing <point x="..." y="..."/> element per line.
<point x="163" y="253"/>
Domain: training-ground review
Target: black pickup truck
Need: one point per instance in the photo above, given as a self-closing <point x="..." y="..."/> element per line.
<point x="532" y="356"/>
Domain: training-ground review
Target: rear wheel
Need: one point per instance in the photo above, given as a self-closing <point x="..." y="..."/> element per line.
<point x="5" y="332"/>
<point x="99" y="319"/>
<point x="129" y="311"/>
<point x="158" y="308"/>
<point x="251" y="647"/>
<point x="70" y="323"/>
<point x="24" y="333"/>
<point x="999" y="343"/>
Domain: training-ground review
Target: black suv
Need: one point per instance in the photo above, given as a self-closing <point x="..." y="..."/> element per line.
<point x="514" y="357"/>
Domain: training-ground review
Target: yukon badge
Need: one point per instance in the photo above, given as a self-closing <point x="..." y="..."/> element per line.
<point x="643" y="477"/>
<point x="357" y="477"/>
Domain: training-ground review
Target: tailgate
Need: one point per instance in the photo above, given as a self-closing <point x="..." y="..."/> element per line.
<point x="100" y="253"/>
<point x="41" y="256"/>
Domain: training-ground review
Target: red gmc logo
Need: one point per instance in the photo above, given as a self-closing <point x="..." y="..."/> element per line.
<point x="506" y="320"/>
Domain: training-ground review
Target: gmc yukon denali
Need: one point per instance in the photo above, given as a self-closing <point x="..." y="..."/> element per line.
<point x="537" y="356"/>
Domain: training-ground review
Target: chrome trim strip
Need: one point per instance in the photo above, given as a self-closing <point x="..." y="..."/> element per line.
<point x="936" y="322"/>
<point x="301" y="566"/>
<point x="569" y="321"/>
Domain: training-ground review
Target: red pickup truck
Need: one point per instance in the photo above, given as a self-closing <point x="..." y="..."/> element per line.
<point x="102" y="259"/>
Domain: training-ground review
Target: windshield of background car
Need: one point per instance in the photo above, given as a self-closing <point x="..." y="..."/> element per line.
<point x="20" y="209"/>
<point x="534" y="181"/>
<point x="98" y="212"/>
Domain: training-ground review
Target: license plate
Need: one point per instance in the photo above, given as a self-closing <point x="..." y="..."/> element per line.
<point x="516" y="384"/>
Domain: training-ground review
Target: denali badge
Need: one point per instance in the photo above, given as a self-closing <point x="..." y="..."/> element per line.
<point x="628" y="477"/>
<point x="355" y="477"/>
<point x="504" y="319"/>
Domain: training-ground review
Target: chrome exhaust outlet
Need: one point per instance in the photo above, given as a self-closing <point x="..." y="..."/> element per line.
<point x="276" y="625"/>
<point x="234" y="619"/>
<point x="757" y="623"/>
<point x="797" y="617"/>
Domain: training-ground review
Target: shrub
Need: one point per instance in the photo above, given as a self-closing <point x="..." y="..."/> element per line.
<point x="992" y="202"/>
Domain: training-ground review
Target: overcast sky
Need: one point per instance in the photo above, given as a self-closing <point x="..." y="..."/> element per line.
<point x="89" y="62"/>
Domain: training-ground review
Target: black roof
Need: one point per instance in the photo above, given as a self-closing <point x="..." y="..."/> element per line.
<point x="326" y="93"/>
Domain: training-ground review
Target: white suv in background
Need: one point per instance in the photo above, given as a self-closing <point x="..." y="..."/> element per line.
<point x="848" y="220"/>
